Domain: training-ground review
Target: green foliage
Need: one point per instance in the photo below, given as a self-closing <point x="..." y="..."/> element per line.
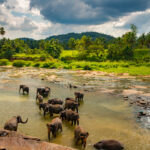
<point x="72" y="43"/>
<point x="19" y="63"/>
<point x="4" y="62"/>
<point x="37" y="64"/>
<point x="53" y="48"/>
<point x="51" y="65"/>
<point x="2" y="31"/>
<point x="6" y="51"/>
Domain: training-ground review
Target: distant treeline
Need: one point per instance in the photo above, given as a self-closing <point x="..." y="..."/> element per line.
<point x="91" y="46"/>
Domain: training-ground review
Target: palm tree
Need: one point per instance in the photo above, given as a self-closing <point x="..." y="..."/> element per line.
<point x="2" y="31"/>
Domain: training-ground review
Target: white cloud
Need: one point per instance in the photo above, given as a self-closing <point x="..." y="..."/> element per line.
<point x="21" y="21"/>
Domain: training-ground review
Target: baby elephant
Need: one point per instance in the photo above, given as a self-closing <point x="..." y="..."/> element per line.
<point x="55" y="101"/>
<point x="43" y="106"/>
<point x="39" y="98"/>
<point x="80" y="135"/>
<point x="70" y="116"/>
<point x="24" y="89"/>
<point x="12" y="124"/>
<point x="79" y="96"/>
<point x="54" y="126"/>
<point x="109" y="145"/>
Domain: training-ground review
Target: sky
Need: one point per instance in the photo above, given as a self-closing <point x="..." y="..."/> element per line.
<point x="39" y="19"/>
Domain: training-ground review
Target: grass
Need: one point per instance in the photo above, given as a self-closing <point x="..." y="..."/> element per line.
<point x="68" y="60"/>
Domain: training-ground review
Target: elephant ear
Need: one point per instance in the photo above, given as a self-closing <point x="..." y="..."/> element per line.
<point x="47" y="125"/>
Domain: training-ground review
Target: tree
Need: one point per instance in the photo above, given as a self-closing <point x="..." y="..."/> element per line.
<point x="141" y="41"/>
<point x="7" y="51"/>
<point x="53" y="49"/>
<point x="147" y="42"/>
<point x="2" y="31"/>
<point x="72" y="43"/>
<point x="133" y="29"/>
<point x="114" y="52"/>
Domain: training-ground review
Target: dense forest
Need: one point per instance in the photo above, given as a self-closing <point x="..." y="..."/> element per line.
<point x="90" y="46"/>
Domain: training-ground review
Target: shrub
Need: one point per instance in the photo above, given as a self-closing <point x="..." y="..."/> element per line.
<point x="4" y="62"/>
<point x="87" y="67"/>
<point x="19" y="63"/>
<point x="28" y="63"/>
<point x="36" y="64"/>
<point x="50" y="65"/>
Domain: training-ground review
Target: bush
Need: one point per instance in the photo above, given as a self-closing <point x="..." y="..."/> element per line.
<point x="50" y="65"/>
<point x="4" y="62"/>
<point x="87" y="67"/>
<point x="19" y="63"/>
<point x="36" y="64"/>
<point x="28" y="63"/>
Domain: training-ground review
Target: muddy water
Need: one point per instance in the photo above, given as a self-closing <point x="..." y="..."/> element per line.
<point x="103" y="115"/>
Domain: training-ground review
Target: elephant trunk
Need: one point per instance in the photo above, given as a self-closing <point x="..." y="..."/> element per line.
<point x="23" y="121"/>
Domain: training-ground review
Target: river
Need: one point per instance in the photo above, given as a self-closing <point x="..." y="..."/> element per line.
<point x="103" y="114"/>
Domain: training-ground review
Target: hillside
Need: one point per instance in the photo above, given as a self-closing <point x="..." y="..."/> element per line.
<point x="93" y="35"/>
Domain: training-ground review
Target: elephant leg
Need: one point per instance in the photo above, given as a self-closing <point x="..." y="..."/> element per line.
<point x="61" y="128"/>
<point x="49" y="134"/>
<point x="77" y="109"/>
<point x="51" y="114"/>
<point x="44" y="113"/>
<point x="54" y="134"/>
<point x="72" y="122"/>
<point x="77" y="140"/>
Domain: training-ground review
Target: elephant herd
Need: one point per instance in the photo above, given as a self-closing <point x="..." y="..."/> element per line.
<point x="67" y="110"/>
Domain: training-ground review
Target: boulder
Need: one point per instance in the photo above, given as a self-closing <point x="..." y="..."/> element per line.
<point x="11" y="140"/>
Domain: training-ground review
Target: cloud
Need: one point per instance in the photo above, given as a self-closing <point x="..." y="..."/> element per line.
<point x="87" y="11"/>
<point x="2" y="1"/>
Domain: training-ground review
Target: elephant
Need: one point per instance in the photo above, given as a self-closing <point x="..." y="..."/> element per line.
<point x="44" y="91"/>
<point x="39" y="98"/>
<point x="70" y="116"/>
<point x="24" y="89"/>
<point x="54" y="127"/>
<point x="55" y="101"/>
<point x="70" y="104"/>
<point x="43" y="106"/>
<point x="79" y="96"/>
<point x="80" y="135"/>
<point x="53" y="109"/>
<point x="70" y="98"/>
<point x="109" y="145"/>
<point x="12" y="124"/>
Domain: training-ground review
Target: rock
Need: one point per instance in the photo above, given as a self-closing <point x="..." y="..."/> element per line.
<point x="109" y="145"/>
<point x="126" y="97"/>
<point x="11" y="140"/>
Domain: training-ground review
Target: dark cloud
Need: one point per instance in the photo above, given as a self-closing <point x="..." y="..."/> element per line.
<point x="87" y="11"/>
<point x="2" y="1"/>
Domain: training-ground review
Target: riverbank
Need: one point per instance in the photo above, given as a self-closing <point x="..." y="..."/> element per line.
<point x="117" y="68"/>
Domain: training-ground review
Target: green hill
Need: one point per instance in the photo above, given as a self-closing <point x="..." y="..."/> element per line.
<point x="93" y="35"/>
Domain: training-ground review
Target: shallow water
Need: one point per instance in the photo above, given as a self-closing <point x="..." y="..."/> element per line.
<point x="103" y="115"/>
